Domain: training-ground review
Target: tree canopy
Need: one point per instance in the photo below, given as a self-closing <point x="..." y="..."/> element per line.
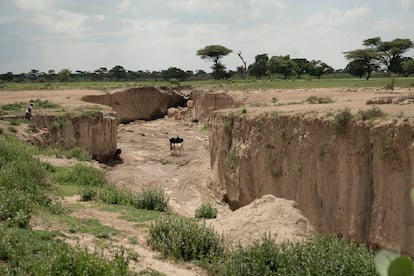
<point x="215" y="53"/>
<point x="387" y="53"/>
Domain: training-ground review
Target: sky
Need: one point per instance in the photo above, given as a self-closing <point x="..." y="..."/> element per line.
<point x="158" y="34"/>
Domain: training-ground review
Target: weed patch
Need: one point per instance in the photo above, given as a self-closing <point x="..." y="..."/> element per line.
<point x="319" y="100"/>
<point x="185" y="239"/>
<point x="26" y="252"/>
<point x="341" y="121"/>
<point x="318" y="256"/>
<point x="206" y="211"/>
<point x="371" y="114"/>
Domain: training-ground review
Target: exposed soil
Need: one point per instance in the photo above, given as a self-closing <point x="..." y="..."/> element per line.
<point x="146" y="160"/>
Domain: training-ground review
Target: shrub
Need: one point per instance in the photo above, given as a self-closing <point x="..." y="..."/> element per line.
<point x="149" y="199"/>
<point x="88" y="194"/>
<point x="341" y="120"/>
<point x="152" y="199"/>
<point x="184" y="238"/>
<point x="206" y="211"/>
<point x="371" y="114"/>
<point x="318" y="256"/>
<point x="319" y="100"/>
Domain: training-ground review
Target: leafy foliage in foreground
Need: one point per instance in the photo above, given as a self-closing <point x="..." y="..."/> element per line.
<point x="26" y="252"/>
<point x="23" y="183"/>
<point x="184" y="238"/>
<point x="318" y="256"/>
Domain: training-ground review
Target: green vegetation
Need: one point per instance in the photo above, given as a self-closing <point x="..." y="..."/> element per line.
<point x="341" y="120"/>
<point x="185" y="239"/>
<point x="27" y="252"/>
<point x="319" y="100"/>
<point x="18" y="108"/>
<point x="149" y="198"/>
<point x="206" y="211"/>
<point x="24" y="186"/>
<point x="318" y="256"/>
<point x="388" y="152"/>
<point x="274" y="82"/>
<point x="370" y="114"/>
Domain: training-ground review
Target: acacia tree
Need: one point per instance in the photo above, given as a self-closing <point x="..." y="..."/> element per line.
<point x="368" y="57"/>
<point x="215" y="53"/>
<point x="391" y="51"/>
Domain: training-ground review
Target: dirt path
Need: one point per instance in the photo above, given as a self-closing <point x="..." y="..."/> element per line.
<point x="147" y="161"/>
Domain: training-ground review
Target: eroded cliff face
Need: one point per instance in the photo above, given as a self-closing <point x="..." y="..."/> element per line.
<point x="96" y="133"/>
<point x="143" y="103"/>
<point x="208" y="101"/>
<point x="355" y="184"/>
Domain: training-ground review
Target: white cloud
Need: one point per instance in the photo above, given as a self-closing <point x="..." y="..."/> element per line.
<point x="34" y="5"/>
<point x="407" y="4"/>
<point x="386" y="25"/>
<point x="337" y="18"/>
<point x="67" y="23"/>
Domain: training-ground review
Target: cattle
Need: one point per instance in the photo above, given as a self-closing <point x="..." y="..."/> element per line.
<point x="176" y="145"/>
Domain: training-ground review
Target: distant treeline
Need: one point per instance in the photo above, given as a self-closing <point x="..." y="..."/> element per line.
<point x="118" y="73"/>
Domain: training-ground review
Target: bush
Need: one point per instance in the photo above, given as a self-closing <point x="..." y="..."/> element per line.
<point x="88" y="194"/>
<point x="371" y="114"/>
<point x="149" y="199"/>
<point x="318" y="256"/>
<point x="319" y="100"/>
<point x="152" y="199"/>
<point x="341" y="120"/>
<point x="184" y="238"/>
<point x="206" y="211"/>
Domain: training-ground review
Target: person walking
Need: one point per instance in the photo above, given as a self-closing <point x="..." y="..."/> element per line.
<point x="29" y="110"/>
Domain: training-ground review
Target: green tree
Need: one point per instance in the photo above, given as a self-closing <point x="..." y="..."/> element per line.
<point x="302" y="66"/>
<point x="281" y="65"/>
<point x="174" y="73"/>
<point x="317" y="68"/>
<point x="369" y="57"/>
<point x="215" y="53"/>
<point x="408" y="66"/>
<point x="117" y="72"/>
<point x="392" y="52"/>
<point x="356" y="68"/>
<point x="64" y="75"/>
<point x="258" y="68"/>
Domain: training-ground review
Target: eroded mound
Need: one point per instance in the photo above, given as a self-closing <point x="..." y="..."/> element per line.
<point x="268" y="215"/>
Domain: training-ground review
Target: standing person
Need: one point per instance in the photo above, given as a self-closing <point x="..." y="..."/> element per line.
<point x="29" y="110"/>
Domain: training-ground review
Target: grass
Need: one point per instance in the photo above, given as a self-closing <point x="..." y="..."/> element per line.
<point x="89" y="226"/>
<point x="318" y="256"/>
<point x="27" y="252"/>
<point x="18" y="108"/>
<point x="275" y="83"/>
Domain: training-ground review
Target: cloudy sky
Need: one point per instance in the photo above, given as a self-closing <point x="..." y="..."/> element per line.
<point x="157" y="34"/>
